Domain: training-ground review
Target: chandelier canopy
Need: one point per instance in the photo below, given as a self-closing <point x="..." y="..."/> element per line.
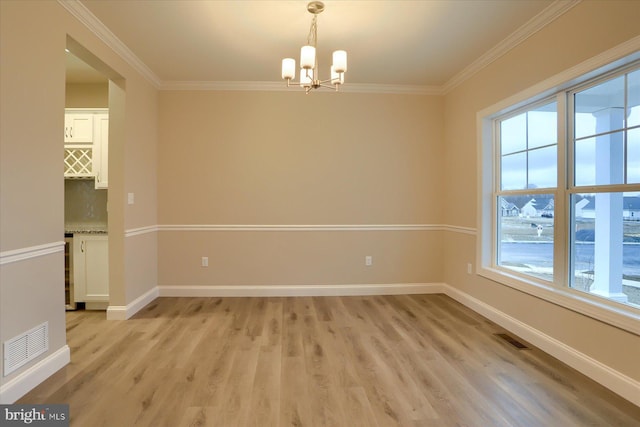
<point x="309" y="78"/>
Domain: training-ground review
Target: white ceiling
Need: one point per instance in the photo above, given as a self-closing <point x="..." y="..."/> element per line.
<point x="392" y="43"/>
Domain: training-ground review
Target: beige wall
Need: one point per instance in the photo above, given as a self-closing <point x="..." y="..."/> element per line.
<point x="87" y="95"/>
<point x="33" y="36"/>
<point x="287" y="158"/>
<point x="31" y="184"/>
<point x="138" y="176"/>
<point x="283" y="158"/>
<point x="31" y="295"/>
<point x="299" y="258"/>
<point x="585" y="31"/>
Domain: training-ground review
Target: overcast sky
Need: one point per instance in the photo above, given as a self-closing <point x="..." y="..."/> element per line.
<point x="542" y="132"/>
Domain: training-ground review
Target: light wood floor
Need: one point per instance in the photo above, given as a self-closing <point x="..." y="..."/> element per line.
<point x="421" y="360"/>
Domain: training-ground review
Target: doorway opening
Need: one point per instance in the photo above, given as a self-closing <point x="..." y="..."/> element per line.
<point x="93" y="93"/>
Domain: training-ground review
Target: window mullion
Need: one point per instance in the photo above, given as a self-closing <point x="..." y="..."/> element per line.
<point x="526" y="154"/>
<point x="497" y="188"/>
<point x="626" y="131"/>
<point x="561" y="257"/>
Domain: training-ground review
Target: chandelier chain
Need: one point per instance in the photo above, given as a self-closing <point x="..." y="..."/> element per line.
<point x="312" y="38"/>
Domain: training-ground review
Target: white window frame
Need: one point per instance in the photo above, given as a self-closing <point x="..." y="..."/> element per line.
<point x="558" y="245"/>
<point x="558" y="292"/>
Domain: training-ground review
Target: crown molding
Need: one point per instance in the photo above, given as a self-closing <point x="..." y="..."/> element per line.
<point x="84" y="15"/>
<point x="221" y="86"/>
<point x="282" y="87"/>
<point x="296" y="227"/>
<point x="535" y="24"/>
<point x="392" y="89"/>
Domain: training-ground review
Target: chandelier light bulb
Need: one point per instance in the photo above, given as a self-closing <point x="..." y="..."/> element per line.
<point x="288" y="68"/>
<point x="340" y="61"/>
<point x="307" y="57"/>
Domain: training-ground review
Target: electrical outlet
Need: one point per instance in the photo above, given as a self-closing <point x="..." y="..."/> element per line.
<point x="469" y="268"/>
<point x="205" y="261"/>
<point x="368" y="260"/>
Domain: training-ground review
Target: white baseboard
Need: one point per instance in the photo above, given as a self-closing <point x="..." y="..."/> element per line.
<point x="301" y="290"/>
<point x="615" y="381"/>
<point x="33" y="376"/>
<point x="124" y="312"/>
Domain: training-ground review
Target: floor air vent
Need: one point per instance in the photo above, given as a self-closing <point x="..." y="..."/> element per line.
<point x="26" y="347"/>
<point x="514" y="342"/>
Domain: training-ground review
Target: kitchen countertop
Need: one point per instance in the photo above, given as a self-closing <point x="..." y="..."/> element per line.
<point x="70" y="229"/>
<point x="72" y="232"/>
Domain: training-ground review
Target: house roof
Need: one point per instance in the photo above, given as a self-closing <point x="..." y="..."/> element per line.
<point x="506" y="205"/>
<point x="628" y="203"/>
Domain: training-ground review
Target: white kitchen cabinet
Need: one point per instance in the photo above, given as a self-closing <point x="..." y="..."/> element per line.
<point x="91" y="267"/>
<point x="101" y="150"/>
<point x="86" y="148"/>
<point x="78" y="127"/>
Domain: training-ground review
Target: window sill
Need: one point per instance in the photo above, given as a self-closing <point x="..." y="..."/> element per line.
<point x="616" y="314"/>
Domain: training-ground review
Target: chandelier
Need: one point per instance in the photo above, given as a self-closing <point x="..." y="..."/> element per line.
<point x="309" y="62"/>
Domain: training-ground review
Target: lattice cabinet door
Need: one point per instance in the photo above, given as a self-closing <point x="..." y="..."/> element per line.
<point x="78" y="162"/>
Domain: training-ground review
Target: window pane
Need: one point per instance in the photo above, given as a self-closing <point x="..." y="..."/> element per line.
<point x="605" y="102"/>
<point x="633" y="84"/>
<point x="542" y="126"/>
<point x="514" y="171"/>
<point x="525" y="234"/>
<point x="585" y="124"/>
<point x="585" y="162"/>
<point x="543" y="167"/>
<point x="600" y="160"/>
<point x="513" y="134"/>
<point x="605" y="249"/>
<point x="633" y="156"/>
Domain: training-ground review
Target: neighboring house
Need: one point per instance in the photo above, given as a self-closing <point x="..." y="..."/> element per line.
<point x="579" y="208"/>
<point x="508" y="208"/>
<point x="529" y="209"/>
<point x="548" y="210"/>
<point x="586" y="208"/>
<point x="631" y="208"/>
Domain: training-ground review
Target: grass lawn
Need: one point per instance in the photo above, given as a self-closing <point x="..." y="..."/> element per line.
<point x="517" y="229"/>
